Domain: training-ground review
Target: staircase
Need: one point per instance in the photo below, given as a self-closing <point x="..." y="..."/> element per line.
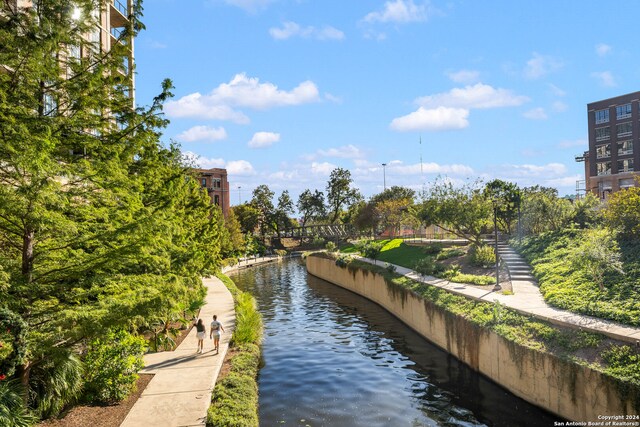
<point x="516" y="265"/>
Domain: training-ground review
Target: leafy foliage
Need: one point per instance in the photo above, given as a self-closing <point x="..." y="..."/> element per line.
<point x="13" y="413"/>
<point x="112" y="364"/>
<point x="506" y="197"/>
<point x="622" y="212"/>
<point x="340" y="192"/>
<point x="542" y="210"/>
<point x="55" y="383"/>
<point x="311" y="206"/>
<point x="482" y="256"/>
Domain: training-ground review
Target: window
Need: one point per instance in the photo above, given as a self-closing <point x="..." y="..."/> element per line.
<point x="626" y="183"/>
<point x="602" y="116"/>
<point x="603" y="151"/>
<point x="624" y="129"/>
<point x="216" y="200"/>
<point x="217" y="183"/>
<point x="623" y="111"/>
<point x="204" y="182"/>
<point x="49" y="104"/>
<point x="603" y="134"/>
<point x="625" y="147"/>
<point x="625" y="165"/>
<point x="74" y="52"/>
<point x="603" y="168"/>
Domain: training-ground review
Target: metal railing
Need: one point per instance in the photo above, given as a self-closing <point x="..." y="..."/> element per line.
<point x="121" y="7"/>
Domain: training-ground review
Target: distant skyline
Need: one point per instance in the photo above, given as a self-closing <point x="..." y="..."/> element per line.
<point x="281" y="92"/>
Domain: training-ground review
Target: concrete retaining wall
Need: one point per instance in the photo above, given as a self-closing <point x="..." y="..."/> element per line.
<point x="563" y="388"/>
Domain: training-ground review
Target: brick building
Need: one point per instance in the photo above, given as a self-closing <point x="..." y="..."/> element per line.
<point x="217" y="185"/>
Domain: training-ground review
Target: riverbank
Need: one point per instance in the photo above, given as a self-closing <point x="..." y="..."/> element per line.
<point x="494" y="341"/>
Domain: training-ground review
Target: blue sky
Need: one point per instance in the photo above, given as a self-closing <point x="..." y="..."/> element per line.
<point x="280" y="92"/>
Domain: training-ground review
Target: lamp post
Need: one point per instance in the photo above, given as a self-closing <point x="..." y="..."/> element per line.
<point x="495" y="234"/>
<point x="239" y="198"/>
<point x="384" y="176"/>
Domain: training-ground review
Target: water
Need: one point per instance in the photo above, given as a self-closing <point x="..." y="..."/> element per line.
<point x="333" y="358"/>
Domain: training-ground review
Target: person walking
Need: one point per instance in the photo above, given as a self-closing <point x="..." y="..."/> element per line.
<point x="200" y="334"/>
<point x="216" y="329"/>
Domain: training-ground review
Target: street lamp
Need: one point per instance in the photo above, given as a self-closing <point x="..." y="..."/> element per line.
<point x="239" y="198"/>
<point x="384" y="176"/>
<point x="495" y="234"/>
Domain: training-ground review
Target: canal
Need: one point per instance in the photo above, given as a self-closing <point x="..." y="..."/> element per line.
<point x="333" y="358"/>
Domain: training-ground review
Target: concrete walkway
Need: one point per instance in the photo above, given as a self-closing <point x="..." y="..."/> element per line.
<point x="526" y="298"/>
<point x="180" y="392"/>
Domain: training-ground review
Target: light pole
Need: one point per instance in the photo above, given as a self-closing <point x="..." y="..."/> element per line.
<point x="239" y="198"/>
<point x="384" y="176"/>
<point x="495" y="234"/>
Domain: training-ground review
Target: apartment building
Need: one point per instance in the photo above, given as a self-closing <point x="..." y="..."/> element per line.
<point x="111" y="17"/>
<point x="614" y="145"/>
<point x="217" y="185"/>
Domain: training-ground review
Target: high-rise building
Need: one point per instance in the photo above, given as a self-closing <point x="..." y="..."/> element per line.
<point x="215" y="181"/>
<point x="110" y="18"/>
<point x="614" y="144"/>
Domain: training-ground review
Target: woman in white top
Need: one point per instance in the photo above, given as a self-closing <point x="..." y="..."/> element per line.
<point x="216" y="329"/>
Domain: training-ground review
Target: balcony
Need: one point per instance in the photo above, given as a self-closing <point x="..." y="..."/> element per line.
<point x="118" y="13"/>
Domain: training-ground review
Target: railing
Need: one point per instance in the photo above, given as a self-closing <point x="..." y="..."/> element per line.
<point x="121" y="7"/>
<point x="117" y="33"/>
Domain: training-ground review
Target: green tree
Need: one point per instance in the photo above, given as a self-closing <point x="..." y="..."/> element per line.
<point x="622" y="212"/>
<point x="542" y="210"/>
<point x="283" y="210"/>
<point x="100" y="225"/>
<point x="340" y="193"/>
<point x="262" y="200"/>
<point x="248" y="216"/>
<point x="311" y="205"/>
<point x="586" y="212"/>
<point x="234" y="230"/>
<point x="506" y="199"/>
<point x="598" y="254"/>
<point x="463" y="211"/>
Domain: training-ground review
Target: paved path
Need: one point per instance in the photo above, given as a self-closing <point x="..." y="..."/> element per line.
<point x="180" y="392"/>
<point x="527" y="298"/>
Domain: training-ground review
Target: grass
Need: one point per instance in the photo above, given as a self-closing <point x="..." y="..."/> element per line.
<point x="565" y="285"/>
<point x="619" y="361"/>
<point x="234" y="402"/>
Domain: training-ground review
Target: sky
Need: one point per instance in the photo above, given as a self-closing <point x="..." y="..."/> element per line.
<point x="281" y="92"/>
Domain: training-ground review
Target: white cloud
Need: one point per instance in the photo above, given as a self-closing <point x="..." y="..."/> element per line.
<point x="263" y="139"/>
<point x="441" y="118"/>
<point x="548" y="170"/>
<point x="430" y="168"/>
<point x="605" y="77"/>
<point x="241" y="91"/>
<point x="477" y="96"/>
<point x="240" y="167"/>
<point x="291" y="29"/>
<point x="203" y="162"/>
<point x="602" y="49"/>
<point x="574" y="143"/>
<point x="541" y="65"/>
<point x="249" y="5"/>
<point x="202" y="133"/>
<point x="399" y="11"/>
<point x="556" y="90"/>
<point x="559" y="106"/>
<point x="344" y="152"/>
<point x="323" y="168"/>
<point x="536" y="114"/>
<point x="464" y="76"/>
<point x="564" y="181"/>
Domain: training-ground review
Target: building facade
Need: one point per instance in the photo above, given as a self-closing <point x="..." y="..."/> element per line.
<point x="614" y="145"/>
<point x="217" y="185"/>
<point x="110" y="18"/>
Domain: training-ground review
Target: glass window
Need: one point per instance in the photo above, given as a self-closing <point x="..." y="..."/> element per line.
<point x="216" y="200"/>
<point x="603" y="168"/>
<point x="204" y="182"/>
<point x="626" y="183"/>
<point x="603" y="151"/>
<point x="625" y="165"/>
<point x="624" y="129"/>
<point x="623" y="111"/>
<point x="602" y="116"/>
<point x="602" y="134"/>
<point x="216" y="183"/>
<point x="625" y="147"/>
<point x="49" y="104"/>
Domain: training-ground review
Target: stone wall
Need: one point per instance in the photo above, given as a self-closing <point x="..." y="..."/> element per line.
<point x="563" y="388"/>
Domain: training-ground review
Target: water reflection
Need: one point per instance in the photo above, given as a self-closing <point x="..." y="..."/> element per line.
<point x="335" y="359"/>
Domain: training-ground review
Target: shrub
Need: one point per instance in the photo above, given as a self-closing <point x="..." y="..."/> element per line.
<point x="482" y="256"/>
<point x="228" y="262"/>
<point x="449" y="253"/>
<point x="13" y="412"/>
<point x="317" y="241"/>
<point x="623" y="363"/>
<point x="391" y="268"/>
<point x="433" y="248"/>
<point x="55" y="383"/>
<point x="331" y="247"/>
<point x="112" y="364"/>
<point x="248" y="320"/>
<point x="281" y="252"/>
<point x="473" y="279"/>
<point x="234" y="402"/>
<point x="343" y="261"/>
<point x="426" y="266"/>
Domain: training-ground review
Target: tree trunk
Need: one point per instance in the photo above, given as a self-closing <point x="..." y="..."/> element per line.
<point x="27" y="255"/>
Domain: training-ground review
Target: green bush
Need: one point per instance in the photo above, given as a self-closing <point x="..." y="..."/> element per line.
<point x="390" y="268"/>
<point x="331" y="247"/>
<point x="281" y="252"/>
<point x="623" y="363"/>
<point x="234" y="402"/>
<point x="427" y="266"/>
<point x="13" y="412"/>
<point x="472" y="279"/>
<point x="112" y="364"/>
<point x="482" y="256"/>
<point x="343" y="261"/>
<point x="317" y="241"/>
<point x="228" y="262"/>
<point x="55" y="382"/>
<point x="433" y="248"/>
<point x="449" y="253"/>
<point x="248" y="320"/>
